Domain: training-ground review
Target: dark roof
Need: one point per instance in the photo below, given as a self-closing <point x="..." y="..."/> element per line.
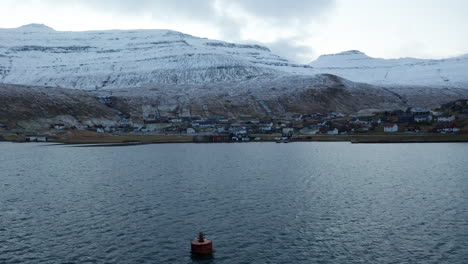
<point x="422" y="116"/>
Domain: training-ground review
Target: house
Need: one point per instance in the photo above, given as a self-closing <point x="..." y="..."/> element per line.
<point x="287" y="131"/>
<point x="238" y="130"/>
<point x="36" y="139"/>
<point x="266" y="127"/>
<point x="175" y="120"/>
<point x="390" y="128"/>
<point x="333" y="132"/>
<point x="220" y="129"/>
<point x="447" y="128"/>
<point x="419" y="111"/>
<point x="105" y="99"/>
<point x="422" y="118"/>
<point x="153" y="127"/>
<point x="100" y="130"/>
<point x="413" y="129"/>
<point x="59" y="126"/>
<point x="297" y="117"/>
<point x="206" y="124"/>
<point x="446" y="118"/>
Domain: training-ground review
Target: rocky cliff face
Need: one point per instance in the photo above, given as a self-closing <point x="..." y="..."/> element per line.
<point x="39" y="107"/>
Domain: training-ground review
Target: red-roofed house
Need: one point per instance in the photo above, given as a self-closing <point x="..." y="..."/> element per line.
<point x="390" y="128"/>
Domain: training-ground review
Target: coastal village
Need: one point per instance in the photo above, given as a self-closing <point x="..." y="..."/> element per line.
<point x="451" y="118"/>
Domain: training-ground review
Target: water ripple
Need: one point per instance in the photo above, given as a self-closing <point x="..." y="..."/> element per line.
<point x="260" y="203"/>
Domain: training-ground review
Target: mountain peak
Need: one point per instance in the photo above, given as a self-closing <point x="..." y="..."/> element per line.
<point x="35" y="27"/>
<point x="351" y="52"/>
<point x="354" y="53"/>
<point x="345" y="57"/>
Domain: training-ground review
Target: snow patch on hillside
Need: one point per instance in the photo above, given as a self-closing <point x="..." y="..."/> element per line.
<point x="357" y="66"/>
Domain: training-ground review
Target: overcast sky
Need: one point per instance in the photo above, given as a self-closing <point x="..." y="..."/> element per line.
<point x="300" y="30"/>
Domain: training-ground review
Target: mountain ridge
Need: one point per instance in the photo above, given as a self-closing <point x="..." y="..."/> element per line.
<point x="180" y="74"/>
<point x="130" y="58"/>
<point x="357" y="66"/>
<point x="36" y="54"/>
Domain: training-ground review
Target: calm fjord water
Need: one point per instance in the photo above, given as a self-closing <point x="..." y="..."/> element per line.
<point x="259" y="202"/>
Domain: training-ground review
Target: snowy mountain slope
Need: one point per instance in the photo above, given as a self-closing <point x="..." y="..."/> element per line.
<point x="357" y="66"/>
<point x="33" y="107"/>
<point x="260" y="97"/>
<point x="30" y="107"/>
<point x="38" y="55"/>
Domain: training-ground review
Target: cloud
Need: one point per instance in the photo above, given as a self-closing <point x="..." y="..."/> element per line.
<point x="279" y="24"/>
<point x="280" y="11"/>
<point x="296" y="52"/>
<point x="158" y="9"/>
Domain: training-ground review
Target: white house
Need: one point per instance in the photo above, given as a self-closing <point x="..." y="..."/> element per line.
<point x="287" y="130"/>
<point x="390" y="128"/>
<point x="419" y="111"/>
<point x="176" y="120"/>
<point x="190" y="130"/>
<point x="446" y="118"/>
<point x="333" y="132"/>
<point x="423" y="118"/>
<point x="36" y="139"/>
<point x="266" y="126"/>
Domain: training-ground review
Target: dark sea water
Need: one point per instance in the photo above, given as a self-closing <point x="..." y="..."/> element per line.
<point x="259" y="202"/>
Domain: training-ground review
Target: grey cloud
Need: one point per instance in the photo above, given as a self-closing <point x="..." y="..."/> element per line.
<point x="278" y="10"/>
<point x="287" y="48"/>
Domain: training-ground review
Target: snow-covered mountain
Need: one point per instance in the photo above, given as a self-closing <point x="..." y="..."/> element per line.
<point x="38" y="55"/>
<point x="357" y="66"/>
<point x="43" y="73"/>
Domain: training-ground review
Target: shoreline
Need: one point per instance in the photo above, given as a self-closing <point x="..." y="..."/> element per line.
<point x="131" y="140"/>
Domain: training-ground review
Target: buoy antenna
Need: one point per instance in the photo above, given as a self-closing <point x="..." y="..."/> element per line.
<point x="202" y="246"/>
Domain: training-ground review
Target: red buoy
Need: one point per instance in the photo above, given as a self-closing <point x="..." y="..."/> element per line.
<point x="202" y="246"/>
